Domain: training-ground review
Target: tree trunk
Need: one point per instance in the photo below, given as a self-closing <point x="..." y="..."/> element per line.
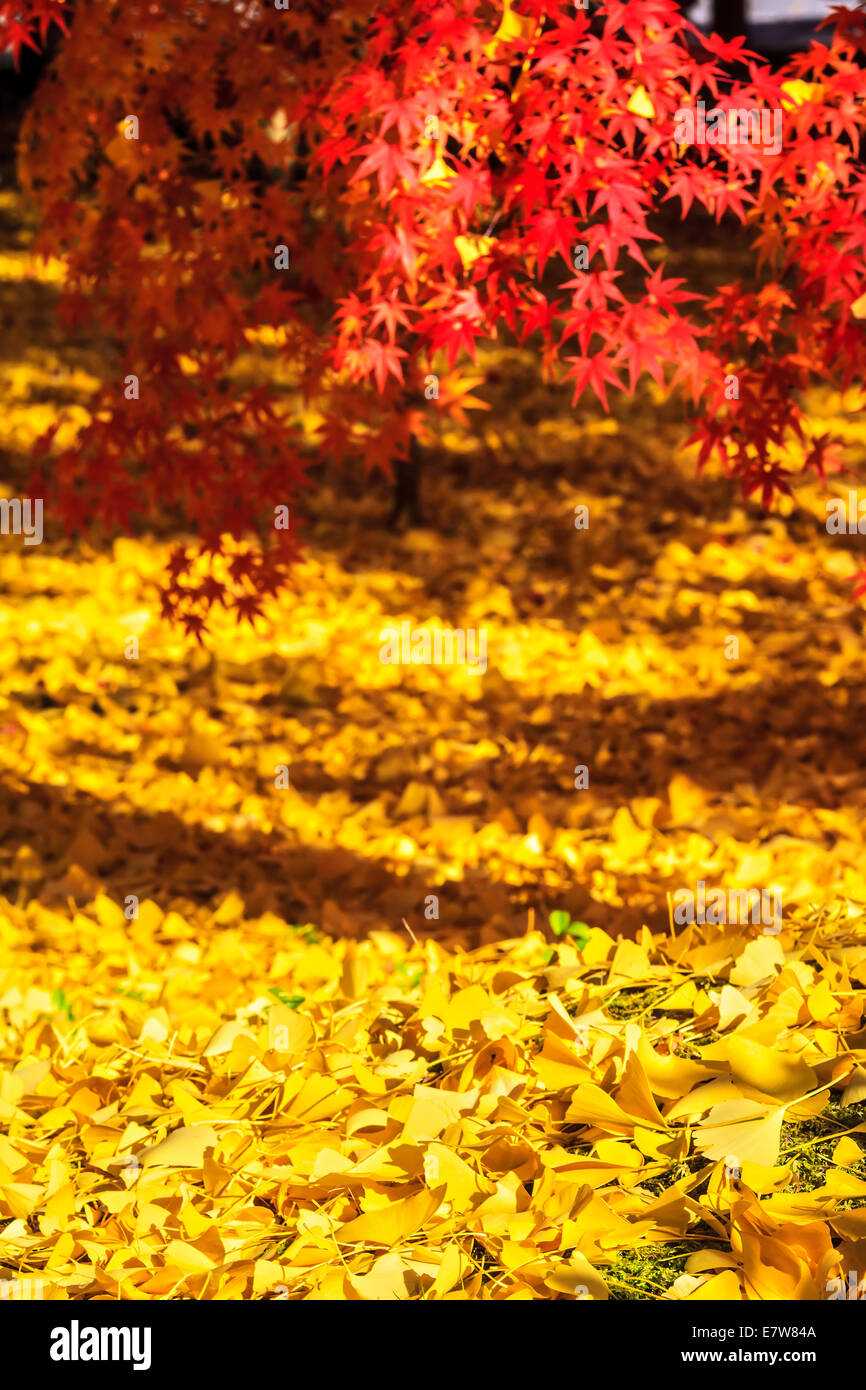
<point x="729" y="18"/>
<point x="407" y="488"/>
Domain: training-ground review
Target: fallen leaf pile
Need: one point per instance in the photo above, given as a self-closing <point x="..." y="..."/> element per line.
<point x="324" y="978"/>
<point x="215" y="1106"/>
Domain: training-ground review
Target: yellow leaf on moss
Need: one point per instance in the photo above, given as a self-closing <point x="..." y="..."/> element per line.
<point x="774" y="1073"/>
<point x="724" y="1287"/>
<point x="742" y="1130"/>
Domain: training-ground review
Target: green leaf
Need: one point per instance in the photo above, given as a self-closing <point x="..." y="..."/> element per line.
<point x="580" y="932"/>
<point x="292" y="1001"/>
<point x="307" y="934"/>
<point x="559" y="921"/>
<point x="403" y="970"/>
<point x="61" y="1004"/>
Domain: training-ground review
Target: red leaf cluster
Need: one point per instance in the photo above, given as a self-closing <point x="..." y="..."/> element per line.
<point x="433" y="170"/>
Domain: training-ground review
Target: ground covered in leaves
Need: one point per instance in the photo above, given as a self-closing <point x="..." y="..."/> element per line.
<point x="341" y="1052"/>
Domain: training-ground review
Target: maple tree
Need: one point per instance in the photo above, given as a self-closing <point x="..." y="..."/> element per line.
<point x="374" y="192"/>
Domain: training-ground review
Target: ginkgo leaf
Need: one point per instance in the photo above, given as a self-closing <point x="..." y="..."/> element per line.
<point x="224" y="1037"/>
<point x="640" y="104"/>
<point x="387" y="1280"/>
<point x="766" y="1069"/>
<point x="183" y="1148"/>
<point x="797" y="92"/>
<point x="394" y="1223"/>
<point x="723" y="1287"/>
<point x="740" y="1130"/>
<point x="471" y="248"/>
<point x="512" y="27"/>
<point x="578" y="1279"/>
<point x="438" y="174"/>
<point x="773" y="1268"/>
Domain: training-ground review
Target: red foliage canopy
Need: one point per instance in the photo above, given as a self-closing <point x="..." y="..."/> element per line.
<point x="431" y="169"/>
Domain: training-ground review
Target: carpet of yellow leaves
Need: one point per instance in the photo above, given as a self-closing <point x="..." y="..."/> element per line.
<point x="265" y="1084"/>
<point x="240" y="1109"/>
